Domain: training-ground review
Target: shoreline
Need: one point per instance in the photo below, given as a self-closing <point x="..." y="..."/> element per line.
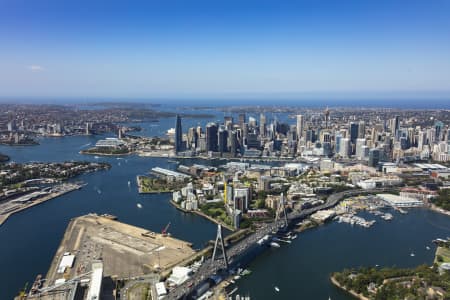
<point x="351" y="292"/>
<point x="4" y="217"/>
<point x="439" y="210"/>
<point x="199" y="213"/>
<point x="105" y="154"/>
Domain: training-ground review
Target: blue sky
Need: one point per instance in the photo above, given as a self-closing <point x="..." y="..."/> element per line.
<point x="235" y="49"/>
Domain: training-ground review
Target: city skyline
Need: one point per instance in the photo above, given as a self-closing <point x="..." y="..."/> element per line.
<point x="298" y="50"/>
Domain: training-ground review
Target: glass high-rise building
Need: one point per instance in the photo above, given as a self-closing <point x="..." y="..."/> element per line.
<point x="178" y="135"/>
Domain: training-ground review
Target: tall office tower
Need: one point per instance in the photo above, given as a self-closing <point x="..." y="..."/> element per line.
<point x="192" y="138"/>
<point x="359" y="148"/>
<point x="310" y="136"/>
<point x="362" y="129"/>
<point x="262" y="125"/>
<point x="199" y="131"/>
<point x="344" y="148"/>
<point x="395" y="126"/>
<point x="233" y="143"/>
<point x="244" y="133"/>
<point x="421" y="140"/>
<point x="326" y="147"/>
<point x="327" y="117"/>
<point x="337" y="143"/>
<point x="431" y="135"/>
<point x="228" y="121"/>
<point x="211" y="137"/>
<point x="373" y="135"/>
<point x="325" y="137"/>
<point x="223" y="139"/>
<point x="374" y="157"/>
<point x="403" y="143"/>
<point x="242" y="120"/>
<point x="11" y="126"/>
<point x="253" y="142"/>
<point x="292" y="133"/>
<point x="300" y="126"/>
<point x="178" y="135"/>
<point x="412" y="142"/>
<point x="438" y="127"/>
<point x="251" y="122"/>
<point x="353" y="132"/>
<point x="88" y="132"/>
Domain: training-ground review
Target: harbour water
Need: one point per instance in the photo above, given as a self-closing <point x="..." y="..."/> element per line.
<point x="301" y="269"/>
<point x="30" y="238"/>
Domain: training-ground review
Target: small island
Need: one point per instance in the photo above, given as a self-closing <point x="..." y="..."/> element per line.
<point x="422" y="282"/>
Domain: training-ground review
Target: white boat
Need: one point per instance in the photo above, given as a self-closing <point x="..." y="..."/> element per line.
<point x="428" y="248"/>
<point x="139" y="205"/>
<point x="277" y="289"/>
<point x="129" y="183"/>
<point x="96" y="157"/>
<point x="412" y="254"/>
<point x="275" y="245"/>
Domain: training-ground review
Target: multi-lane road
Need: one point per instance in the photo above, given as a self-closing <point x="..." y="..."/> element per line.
<point x="209" y="268"/>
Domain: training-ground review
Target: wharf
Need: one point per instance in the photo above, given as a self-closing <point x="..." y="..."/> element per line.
<point x="126" y="250"/>
<point x="66" y="188"/>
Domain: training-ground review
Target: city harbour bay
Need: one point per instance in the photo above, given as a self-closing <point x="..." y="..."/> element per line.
<point x="32" y="236"/>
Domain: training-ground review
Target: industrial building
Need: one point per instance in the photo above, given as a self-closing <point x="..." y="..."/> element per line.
<point x="399" y="201"/>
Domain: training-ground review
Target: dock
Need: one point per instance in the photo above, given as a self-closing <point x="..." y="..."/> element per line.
<point x="9" y="208"/>
<point x="125" y="250"/>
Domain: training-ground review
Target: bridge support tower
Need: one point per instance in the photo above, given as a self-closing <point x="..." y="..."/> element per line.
<point x="219" y="239"/>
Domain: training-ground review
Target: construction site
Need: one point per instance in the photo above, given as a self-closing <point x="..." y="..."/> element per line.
<point x="97" y="251"/>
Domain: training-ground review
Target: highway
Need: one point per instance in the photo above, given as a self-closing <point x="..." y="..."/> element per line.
<point x="207" y="269"/>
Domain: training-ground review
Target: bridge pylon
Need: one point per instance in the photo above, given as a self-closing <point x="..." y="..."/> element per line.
<point x="281" y="211"/>
<point x="219" y="238"/>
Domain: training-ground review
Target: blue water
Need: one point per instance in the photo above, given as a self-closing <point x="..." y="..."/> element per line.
<point x="301" y="270"/>
<point x="412" y="101"/>
<point x="30" y="238"/>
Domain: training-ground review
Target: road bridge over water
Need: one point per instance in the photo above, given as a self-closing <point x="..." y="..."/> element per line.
<point x="210" y="268"/>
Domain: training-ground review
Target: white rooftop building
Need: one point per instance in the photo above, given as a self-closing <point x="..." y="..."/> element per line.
<point x="95" y="287"/>
<point x="179" y="275"/>
<point x="399" y="201"/>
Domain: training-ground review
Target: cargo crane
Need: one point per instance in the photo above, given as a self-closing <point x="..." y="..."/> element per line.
<point x="165" y="229"/>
